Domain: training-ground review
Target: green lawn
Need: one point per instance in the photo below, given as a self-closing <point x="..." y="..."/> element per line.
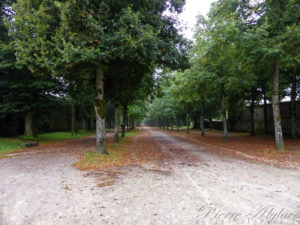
<point x="8" y="145"/>
<point x="60" y="136"/>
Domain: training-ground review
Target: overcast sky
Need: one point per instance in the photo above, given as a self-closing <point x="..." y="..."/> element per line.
<point x="193" y="8"/>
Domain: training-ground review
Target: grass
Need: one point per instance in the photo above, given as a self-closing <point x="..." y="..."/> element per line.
<point x="9" y="145"/>
<point x="60" y="136"/>
<point x="116" y="155"/>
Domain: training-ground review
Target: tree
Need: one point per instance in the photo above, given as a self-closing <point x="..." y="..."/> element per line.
<point x="278" y="20"/>
<point x="60" y="36"/>
<point x="22" y="94"/>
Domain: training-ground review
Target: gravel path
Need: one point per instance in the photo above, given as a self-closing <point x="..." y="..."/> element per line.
<point x="42" y="187"/>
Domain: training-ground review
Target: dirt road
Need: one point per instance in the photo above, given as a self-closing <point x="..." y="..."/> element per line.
<point x="42" y="187"/>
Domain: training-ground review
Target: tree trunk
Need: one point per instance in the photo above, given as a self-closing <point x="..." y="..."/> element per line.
<point x="187" y="122"/>
<point x="276" y="109"/>
<point x="265" y="114"/>
<point x="116" y="139"/>
<point x="223" y="113"/>
<point x="202" y="125"/>
<point x="29" y="125"/>
<point x="293" y="108"/>
<point x="73" y="119"/>
<point x="252" y="125"/>
<point x="124" y="120"/>
<point x="202" y="119"/>
<point x="99" y="106"/>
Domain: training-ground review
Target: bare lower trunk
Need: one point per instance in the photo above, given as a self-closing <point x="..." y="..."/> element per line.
<point x="116" y="123"/>
<point x="202" y="125"/>
<point x="223" y="113"/>
<point x="124" y="120"/>
<point x="99" y="105"/>
<point x="29" y="125"/>
<point x="293" y="108"/>
<point x="202" y="121"/>
<point x="252" y="125"/>
<point x="265" y="115"/>
<point x="276" y="109"/>
<point x="187" y="123"/>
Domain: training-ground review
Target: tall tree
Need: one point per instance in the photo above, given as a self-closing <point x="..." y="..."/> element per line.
<point x="58" y="36"/>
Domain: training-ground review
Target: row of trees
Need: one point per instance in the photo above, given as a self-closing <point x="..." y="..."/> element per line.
<point x="245" y="52"/>
<point x="86" y="48"/>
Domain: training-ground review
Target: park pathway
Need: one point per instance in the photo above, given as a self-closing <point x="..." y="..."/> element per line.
<point x="42" y="187"/>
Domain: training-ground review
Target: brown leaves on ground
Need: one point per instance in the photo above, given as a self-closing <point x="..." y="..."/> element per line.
<point x="252" y="148"/>
<point x="133" y="151"/>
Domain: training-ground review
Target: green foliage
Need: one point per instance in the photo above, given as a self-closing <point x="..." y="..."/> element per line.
<point x="235" y="48"/>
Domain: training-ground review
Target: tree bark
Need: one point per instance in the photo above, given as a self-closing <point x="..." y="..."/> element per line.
<point x="116" y="138"/>
<point x="124" y="120"/>
<point x="99" y="106"/>
<point x="266" y="131"/>
<point x="276" y="109"/>
<point x="223" y="113"/>
<point x="202" y="120"/>
<point x="128" y="122"/>
<point x="187" y="122"/>
<point x="29" y="125"/>
<point x="293" y="108"/>
<point x="252" y="124"/>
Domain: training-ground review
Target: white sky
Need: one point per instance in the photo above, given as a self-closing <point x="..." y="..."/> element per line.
<point x="191" y="10"/>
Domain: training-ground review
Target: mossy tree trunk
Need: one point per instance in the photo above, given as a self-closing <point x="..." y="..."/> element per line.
<point x="99" y="106"/>
<point x="276" y="109"/>
<point x="117" y="122"/>
<point x="29" y="130"/>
